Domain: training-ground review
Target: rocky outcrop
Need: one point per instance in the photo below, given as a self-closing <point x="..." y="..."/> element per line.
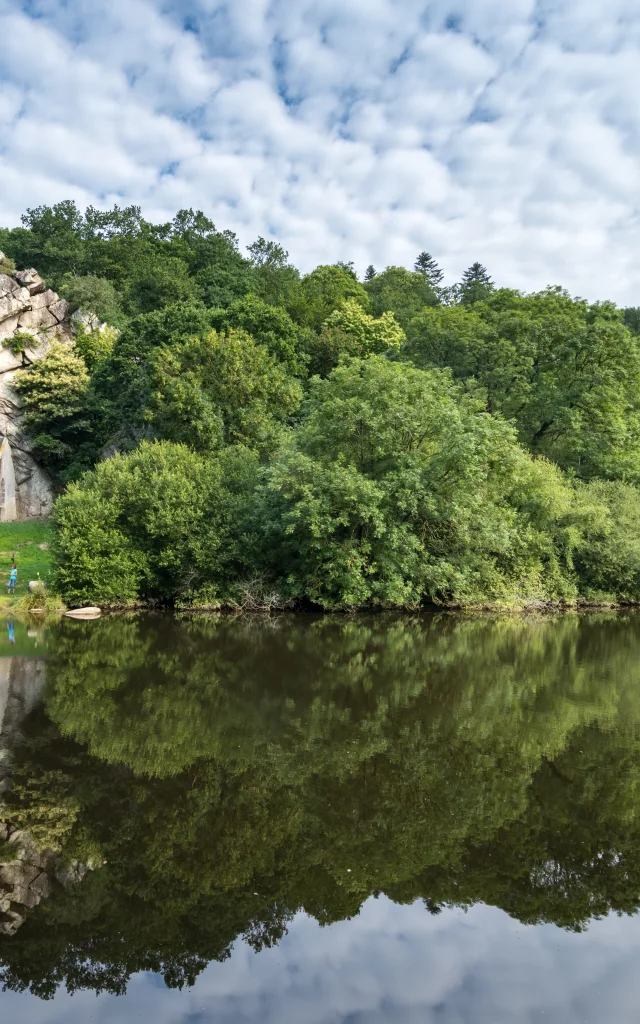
<point x="28" y="308"/>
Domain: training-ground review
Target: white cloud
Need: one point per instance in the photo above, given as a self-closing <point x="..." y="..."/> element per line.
<point x="351" y="129"/>
<point x="389" y="965"/>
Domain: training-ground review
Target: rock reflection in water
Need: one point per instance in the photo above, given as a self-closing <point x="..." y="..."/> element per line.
<point x="24" y="879"/>
<point x="227" y="773"/>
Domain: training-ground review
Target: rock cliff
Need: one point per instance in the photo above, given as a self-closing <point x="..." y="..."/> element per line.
<point x="27" y="307"/>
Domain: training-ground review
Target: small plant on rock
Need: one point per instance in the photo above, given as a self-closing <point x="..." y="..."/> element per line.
<point x="19" y="342"/>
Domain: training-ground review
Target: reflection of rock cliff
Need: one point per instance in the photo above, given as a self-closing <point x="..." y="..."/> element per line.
<point x="29" y="308"/>
<point x="21" y="683"/>
<point x="24" y="880"/>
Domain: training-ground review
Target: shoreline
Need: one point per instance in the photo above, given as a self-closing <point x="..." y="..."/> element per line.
<point x="534" y="608"/>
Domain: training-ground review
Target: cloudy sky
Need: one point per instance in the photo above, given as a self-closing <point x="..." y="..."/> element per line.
<point x="361" y="130"/>
<point x="389" y="965"/>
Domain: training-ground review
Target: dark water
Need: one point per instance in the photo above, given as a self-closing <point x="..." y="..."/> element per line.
<point x="321" y="820"/>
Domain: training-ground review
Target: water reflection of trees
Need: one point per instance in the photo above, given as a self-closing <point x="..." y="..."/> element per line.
<point x="233" y="772"/>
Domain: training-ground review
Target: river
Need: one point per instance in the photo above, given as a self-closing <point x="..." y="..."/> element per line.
<point x="321" y="819"/>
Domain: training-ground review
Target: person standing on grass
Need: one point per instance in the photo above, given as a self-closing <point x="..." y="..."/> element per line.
<point x="13" y="579"/>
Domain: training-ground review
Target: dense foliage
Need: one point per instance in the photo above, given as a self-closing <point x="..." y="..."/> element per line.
<point x="226" y="773"/>
<point x="408" y="441"/>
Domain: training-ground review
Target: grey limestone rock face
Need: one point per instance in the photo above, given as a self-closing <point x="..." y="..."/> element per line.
<point x="31" y="280"/>
<point x="27" y="306"/>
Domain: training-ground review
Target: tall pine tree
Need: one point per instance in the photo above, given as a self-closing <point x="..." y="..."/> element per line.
<point x="476" y="284"/>
<point x="425" y="264"/>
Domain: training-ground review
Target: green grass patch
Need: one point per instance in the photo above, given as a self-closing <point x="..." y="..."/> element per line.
<point x="30" y="543"/>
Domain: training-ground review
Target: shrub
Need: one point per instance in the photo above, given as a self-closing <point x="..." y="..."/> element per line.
<point x="608" y="559"/>
<point x="19" y="342"/>
<point x="39" y="599"/>
<point x="95" y="346"/>
<point x="54" y="393"/>
<point x="159" y="524"/>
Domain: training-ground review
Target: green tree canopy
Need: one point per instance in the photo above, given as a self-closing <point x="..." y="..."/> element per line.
<point x="401" y="292"/>
<point x="269" y="325"/>
<point x="350" y="331"/>
<point x="324" y="290"/>
<point x="567" y="373"/>
<point x="277" y="282"/>
<point x="396" y="488"/>
<point x="54" y="395"/>
<point x="95" y="296"/>
<point x="229" y="380"/>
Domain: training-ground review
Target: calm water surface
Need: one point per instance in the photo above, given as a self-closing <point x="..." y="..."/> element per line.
<point x="385" y="820"/>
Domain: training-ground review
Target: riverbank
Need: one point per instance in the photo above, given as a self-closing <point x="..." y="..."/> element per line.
<point x="532" y="608"/>
<point x="30" y="544"/>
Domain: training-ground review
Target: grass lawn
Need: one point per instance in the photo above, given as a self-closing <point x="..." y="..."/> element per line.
<point x="29" y="542"/>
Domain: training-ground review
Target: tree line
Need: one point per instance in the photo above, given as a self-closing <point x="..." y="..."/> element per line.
<point x="239" y="433"/>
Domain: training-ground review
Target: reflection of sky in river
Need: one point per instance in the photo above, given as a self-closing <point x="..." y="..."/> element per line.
<point x="390" y="965"/>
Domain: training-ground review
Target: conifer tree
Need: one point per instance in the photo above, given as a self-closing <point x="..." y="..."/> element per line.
<point x="425" y="264"/>
<point x="370" y="272"/>
<point x="476" y="284"/>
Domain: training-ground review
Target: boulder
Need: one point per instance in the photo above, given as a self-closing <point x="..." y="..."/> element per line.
<point x="9" y="360"/>
<point x="84" y="613"/>
<point x="72" y="874"/>
<point x="10" y="921"/>
<point x="60" y="310"/>
<point x="9" y="286"/>
<point x="31" y="280"/>
<point x="14" y="300"/>
<point x="36" y="320"/>
<point x="43" y="299"/>
<point x="85" y="321"/>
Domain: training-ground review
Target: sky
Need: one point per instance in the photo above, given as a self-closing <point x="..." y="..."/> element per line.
<point x="389" y="965"/>
<point x="364" y="130"/>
